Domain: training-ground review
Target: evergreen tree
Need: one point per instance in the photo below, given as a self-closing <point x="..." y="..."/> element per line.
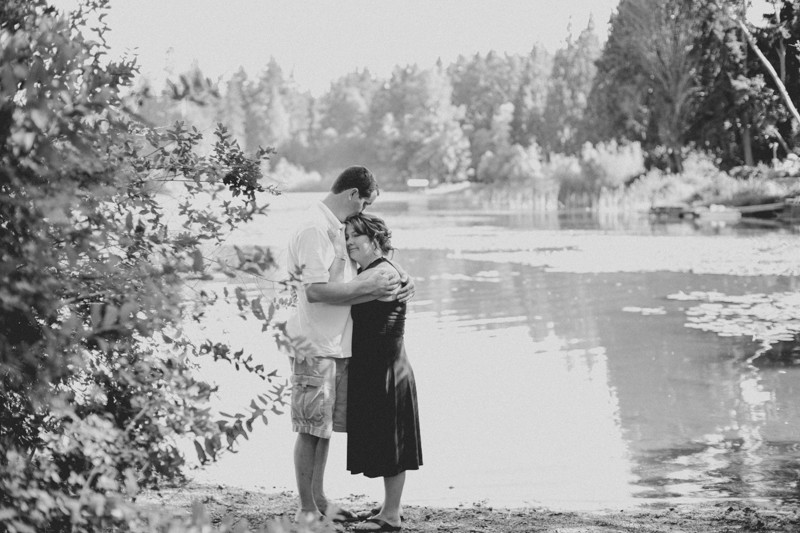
<point x="236" y="107"/>
<point x="570" y="83"/>
<point x="528" y="122"/>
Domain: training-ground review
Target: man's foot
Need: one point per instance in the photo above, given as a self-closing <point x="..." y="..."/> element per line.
<point x="341" y="514"/>
<point x="377" y="524"/>
<point x="307" y="517"/>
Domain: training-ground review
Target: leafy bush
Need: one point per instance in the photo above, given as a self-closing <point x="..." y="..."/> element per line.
<point x="96" y="383"/>
<point x="291" y="177"/>
<point x="511" y="163"/>
<point x="700" y="178"/>
<point x="701" y="182"/>
<point x="602" y="166"/>
<point x="660" y="188"/>
<point x="756" y="190"/>
<point x="565" y="172"/>
<point x="611" y="165"/>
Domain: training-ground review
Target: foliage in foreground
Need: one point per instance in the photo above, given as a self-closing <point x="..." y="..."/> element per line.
<point x="96" y="385"/>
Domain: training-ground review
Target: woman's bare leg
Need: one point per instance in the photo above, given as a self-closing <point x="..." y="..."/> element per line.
<point x="390" y="512"/>
<point x="393" y="487"/>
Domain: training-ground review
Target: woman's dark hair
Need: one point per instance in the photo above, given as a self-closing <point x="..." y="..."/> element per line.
<point x="374" y="228"/>
<point x="357" y="177"/>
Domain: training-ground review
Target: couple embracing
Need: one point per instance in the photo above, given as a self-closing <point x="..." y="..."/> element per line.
<point x="351" y="373"/>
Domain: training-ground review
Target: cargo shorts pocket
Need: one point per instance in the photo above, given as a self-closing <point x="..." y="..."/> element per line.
<point x="308" y="400"/>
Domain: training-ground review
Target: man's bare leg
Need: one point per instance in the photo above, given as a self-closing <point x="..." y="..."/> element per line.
<point x="318" y="478"/>
<point x="305" y="459"/>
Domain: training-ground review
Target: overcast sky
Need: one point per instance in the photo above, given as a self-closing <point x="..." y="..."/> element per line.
<point x="319" y="40"/>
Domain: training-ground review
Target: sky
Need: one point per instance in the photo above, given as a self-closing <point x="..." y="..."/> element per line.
<point x="318" y="41"/>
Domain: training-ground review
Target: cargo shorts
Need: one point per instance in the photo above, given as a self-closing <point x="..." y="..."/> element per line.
<point x="319" y="395"/>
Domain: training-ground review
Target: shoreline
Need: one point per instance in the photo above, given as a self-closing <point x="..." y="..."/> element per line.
<point x="253" y="510"/>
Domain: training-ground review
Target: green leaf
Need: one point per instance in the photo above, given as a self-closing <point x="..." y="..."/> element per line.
<point x="201" y="454"/>
<point x="211" y="448"/>
<point x="240" y="255"/>
<point x="198" y="263"/>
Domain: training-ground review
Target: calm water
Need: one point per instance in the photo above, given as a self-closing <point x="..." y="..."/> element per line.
<point x="573" y="390"/>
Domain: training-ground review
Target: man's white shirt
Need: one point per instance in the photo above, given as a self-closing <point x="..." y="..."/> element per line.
<point x="318" y="246"/>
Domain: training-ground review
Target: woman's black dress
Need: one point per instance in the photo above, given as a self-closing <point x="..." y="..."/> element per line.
<point x="382" y="418"/>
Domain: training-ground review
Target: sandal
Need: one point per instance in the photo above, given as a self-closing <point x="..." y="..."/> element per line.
<point x="363" y="515"/>
<point x="383" y="525"/>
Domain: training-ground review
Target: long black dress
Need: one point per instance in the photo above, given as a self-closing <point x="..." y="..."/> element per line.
<point x="382" y="419"/>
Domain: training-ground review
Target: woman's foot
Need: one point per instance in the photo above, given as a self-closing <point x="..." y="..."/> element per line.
<point x="375" y="511"/>
<point x="378" y="523"/>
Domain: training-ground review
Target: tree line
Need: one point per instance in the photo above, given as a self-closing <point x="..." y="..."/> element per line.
<point x="673" y="76"/>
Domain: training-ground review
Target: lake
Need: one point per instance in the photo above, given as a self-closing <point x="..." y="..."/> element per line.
<point x="576" y="362"/>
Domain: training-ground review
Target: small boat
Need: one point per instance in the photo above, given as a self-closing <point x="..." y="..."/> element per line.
<point x="762" y="210"/>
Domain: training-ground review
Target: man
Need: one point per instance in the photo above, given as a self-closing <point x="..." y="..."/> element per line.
<point x="322" y="328"/>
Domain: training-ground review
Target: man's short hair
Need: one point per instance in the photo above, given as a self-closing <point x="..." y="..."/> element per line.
<point x="356" y="176"/>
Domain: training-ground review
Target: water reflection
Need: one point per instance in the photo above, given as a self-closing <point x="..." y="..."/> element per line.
<point x="465" y="210"/>
<point x="674" y="413"/>
<point x="563" y="389"/>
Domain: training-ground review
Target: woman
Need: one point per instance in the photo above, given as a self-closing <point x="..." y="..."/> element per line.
<point x="382" y="421"/>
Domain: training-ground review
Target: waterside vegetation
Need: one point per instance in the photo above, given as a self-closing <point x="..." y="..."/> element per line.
<point x="681" y="97"/>
<point x="97" y="389"/>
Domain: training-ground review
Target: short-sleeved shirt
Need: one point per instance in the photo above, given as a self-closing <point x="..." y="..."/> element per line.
<point x="315" y="245"/>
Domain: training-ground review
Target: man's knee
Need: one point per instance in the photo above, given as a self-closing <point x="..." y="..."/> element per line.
<point x="309" y="439"/>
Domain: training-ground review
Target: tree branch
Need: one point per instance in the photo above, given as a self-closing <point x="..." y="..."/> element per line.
<point x="771" y="70"/>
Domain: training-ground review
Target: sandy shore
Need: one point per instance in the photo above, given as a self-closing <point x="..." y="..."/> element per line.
<point x="256" y="511"/>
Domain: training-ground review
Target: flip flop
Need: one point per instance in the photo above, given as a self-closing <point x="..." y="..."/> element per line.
<point x="363" y="515"/>
<point x="383" y="525"/>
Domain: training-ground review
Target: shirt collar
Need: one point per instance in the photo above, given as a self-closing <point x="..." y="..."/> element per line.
<point x="330" y="218"/>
